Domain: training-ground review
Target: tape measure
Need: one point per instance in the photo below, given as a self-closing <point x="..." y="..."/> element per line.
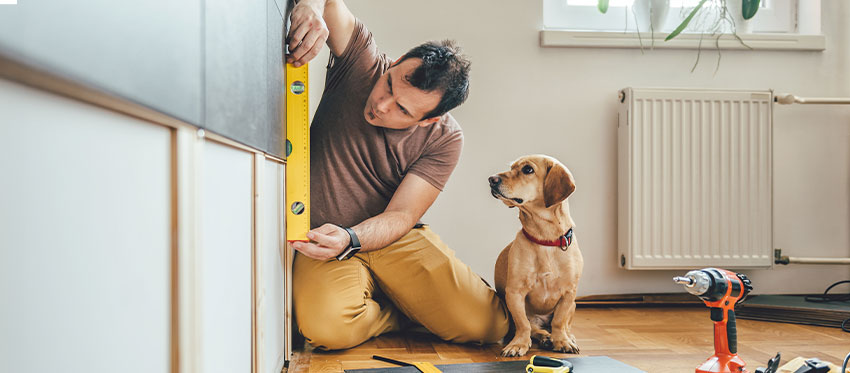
<point x="545" y="364"/>
<point x="423" y="367"/>
<point x="297" y="154"/>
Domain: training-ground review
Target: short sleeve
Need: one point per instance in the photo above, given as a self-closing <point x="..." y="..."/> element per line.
<point x="439" y="160"/>
<point x="359" y="57"/>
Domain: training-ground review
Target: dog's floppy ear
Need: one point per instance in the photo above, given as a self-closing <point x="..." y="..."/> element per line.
<point x="558" y="184"/>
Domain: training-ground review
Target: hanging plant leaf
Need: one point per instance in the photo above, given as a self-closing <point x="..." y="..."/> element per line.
<point x="603" y="6"/>
<point x="749" y="8"/>
<point x="685" y="23"/>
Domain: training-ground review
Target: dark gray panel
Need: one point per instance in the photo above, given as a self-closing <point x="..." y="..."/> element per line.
<point x="275" y="79"/>
<point x="236" y="53"/>
<point x="590" y="364"/>
<point x="146" y="51"/>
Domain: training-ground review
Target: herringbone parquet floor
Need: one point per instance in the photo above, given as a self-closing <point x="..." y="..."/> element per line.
<point x="661" y="339"/>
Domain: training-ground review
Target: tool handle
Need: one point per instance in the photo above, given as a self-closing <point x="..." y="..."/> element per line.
<point x="725" y="331"/>
<point x="732" y="332"/>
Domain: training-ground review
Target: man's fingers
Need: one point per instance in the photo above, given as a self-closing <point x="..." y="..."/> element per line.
<point x="326" y="229"/>
<point x="314" y="251"/>
<point x="314" y="50"/>
<point x="296" y="35"/>
<point x="307" y="43"/>
<point x="324" y="240"/>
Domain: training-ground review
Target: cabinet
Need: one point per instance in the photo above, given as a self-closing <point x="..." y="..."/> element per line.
<point x="214" y="64"/>
<point x="148" y="52"/>
<point x="122" y="238"/>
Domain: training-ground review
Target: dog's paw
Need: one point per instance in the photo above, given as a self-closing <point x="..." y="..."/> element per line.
<point x="517" y="347"/>
<point x="546" y="344"/>
<point x="544" y="339"/>
<point x="568" y="345"/>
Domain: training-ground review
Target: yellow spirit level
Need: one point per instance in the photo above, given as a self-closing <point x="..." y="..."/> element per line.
<point x="297" y="153"/>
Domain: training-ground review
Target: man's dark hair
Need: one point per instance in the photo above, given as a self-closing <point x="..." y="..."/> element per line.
<point x="443" y="68"/>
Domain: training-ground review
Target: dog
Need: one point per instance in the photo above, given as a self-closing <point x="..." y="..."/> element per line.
<point x="538" y="273"/>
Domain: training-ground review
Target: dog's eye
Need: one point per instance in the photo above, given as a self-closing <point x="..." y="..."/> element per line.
<point x="527" y="170"/>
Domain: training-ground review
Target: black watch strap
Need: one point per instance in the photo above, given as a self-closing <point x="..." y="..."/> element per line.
<point x="353" y="245"/>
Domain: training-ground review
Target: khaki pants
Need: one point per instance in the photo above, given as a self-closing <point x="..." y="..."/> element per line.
<point x="342" y="304"/>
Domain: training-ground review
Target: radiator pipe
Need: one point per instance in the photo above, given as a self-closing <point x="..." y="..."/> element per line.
<point x="785" y="259"/>
<point x="788" y="99"/>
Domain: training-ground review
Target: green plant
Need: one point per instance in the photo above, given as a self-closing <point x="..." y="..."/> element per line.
<point x="711" y="21"/>
<point x="686" y="22"/>
<point x="603" y="6"/>
<point x="748" y="10"/>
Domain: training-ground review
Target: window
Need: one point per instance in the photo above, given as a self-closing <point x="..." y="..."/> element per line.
<point x="774" y="16"/>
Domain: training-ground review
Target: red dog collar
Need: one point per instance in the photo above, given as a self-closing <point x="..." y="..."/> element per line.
<point x="563" y="242"/>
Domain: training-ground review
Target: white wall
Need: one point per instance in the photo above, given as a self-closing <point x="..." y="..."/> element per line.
<point x="565" y="106"/>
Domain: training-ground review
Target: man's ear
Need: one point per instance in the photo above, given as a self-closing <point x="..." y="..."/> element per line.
<point x="558" y="184"/>
<point x="429" y="121"/>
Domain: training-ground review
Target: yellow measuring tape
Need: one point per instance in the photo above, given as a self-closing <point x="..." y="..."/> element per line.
<point x="297" y="153"/>
<point x="420" y="366"/>
<point x="426" y="367"/>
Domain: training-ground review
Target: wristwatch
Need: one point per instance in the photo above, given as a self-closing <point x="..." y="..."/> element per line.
<point x="353" y="246"/>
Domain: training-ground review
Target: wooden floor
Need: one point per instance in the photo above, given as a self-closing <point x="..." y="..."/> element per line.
<point x="663" y="339"/>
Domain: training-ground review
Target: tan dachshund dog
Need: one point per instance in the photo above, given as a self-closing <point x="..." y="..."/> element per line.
<point x="538" y="272"/>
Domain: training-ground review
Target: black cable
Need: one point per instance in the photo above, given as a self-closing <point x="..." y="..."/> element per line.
<point x="392" y="361"/>
<point x="826" y="297"/>
<point x="844" y="366"/>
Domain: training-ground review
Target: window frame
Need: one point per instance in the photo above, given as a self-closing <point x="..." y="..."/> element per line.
<point x="778" y="16"/>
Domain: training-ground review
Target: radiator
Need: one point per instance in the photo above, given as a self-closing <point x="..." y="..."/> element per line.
<point x="695" y="181"/>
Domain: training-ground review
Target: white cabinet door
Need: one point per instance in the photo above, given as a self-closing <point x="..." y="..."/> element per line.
<point x="224" y="254"/>
<point x="85" y="237"/>
<point x="271" y="293"/>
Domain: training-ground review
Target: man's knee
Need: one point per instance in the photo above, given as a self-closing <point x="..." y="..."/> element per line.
<point x="329" y="332"/>
<point x="329" y="303"/>
<point x="326" y="322"/>
<point x="465" y="327"/>
<point x="484" y="331"/>
<point x="330" y="325"/>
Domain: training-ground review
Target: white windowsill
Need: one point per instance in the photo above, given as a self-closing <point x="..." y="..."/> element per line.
<point x="617" y="39"/>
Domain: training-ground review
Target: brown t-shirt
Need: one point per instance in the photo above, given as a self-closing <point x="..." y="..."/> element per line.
<point x="355" y="167"/>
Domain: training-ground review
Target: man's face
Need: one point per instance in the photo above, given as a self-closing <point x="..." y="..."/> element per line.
<point x="396" y="104"/>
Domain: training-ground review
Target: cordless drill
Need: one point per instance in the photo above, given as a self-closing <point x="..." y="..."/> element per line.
<point x="720" y="290"/>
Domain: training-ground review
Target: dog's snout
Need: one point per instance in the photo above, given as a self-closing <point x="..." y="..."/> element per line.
<point x="495" y="181"/>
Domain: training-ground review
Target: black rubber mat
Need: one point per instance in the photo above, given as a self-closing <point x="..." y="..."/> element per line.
<point x="592" y="364"/>
<point x="793" y="309"/>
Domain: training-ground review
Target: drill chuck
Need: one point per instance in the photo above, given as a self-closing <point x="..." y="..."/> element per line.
<point x="687" y="281"/>
<point x="696" y="282"/>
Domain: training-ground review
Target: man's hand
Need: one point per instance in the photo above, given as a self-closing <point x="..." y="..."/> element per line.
<point x="307" y="32"/>
<point x="328" y="241"/>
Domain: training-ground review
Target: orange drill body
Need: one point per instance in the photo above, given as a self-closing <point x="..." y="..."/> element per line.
<point x="720" y="290"/>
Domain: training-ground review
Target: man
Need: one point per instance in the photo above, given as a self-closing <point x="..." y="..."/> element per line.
<point x="383" y="147"/>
